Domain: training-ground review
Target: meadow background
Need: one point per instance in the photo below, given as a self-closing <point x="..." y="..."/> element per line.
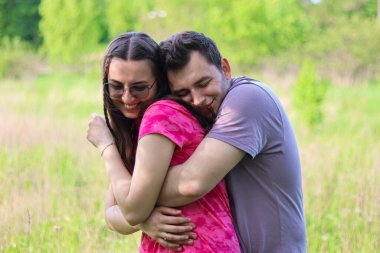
<point x="321" y="57"/>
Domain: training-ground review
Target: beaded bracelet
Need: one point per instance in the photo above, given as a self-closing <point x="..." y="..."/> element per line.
<point x="101" y="154"/>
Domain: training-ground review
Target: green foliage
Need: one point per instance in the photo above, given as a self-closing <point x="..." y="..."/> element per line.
<point x="69" y="28"/>
<point x="123" y="16"/>
<point x="329" y="10"/>
<point x="257" y="28"/>
<point x="309" y="94"/>
<point x="346" y="47"/>
<point x="163" y="18"/>
<point x="19" y="19"/>
<point x="245" y="31"/>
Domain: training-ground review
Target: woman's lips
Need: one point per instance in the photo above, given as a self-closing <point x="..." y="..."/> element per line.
<point x="129" y="107"/>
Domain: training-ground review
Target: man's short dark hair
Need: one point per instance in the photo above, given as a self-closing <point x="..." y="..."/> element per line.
<point x="176" y="50"/>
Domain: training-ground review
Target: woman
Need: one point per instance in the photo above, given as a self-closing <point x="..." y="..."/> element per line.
<point x="166" y="136"/>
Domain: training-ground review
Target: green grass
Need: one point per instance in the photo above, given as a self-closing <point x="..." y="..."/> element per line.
<point x="52" y="180"/>
<point x="53" y="183"/>
<point x="341" y="171"/>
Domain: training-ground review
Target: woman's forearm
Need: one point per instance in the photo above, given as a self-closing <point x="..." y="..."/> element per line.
<point x="116" y="222"/>
<point x="119" y="176"/>
<point x="114" y="217"/>
<point x="153" y="157"/>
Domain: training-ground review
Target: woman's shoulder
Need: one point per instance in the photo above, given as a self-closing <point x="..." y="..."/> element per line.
<point x="168" y="110"/>
<point x="171" y="119"/>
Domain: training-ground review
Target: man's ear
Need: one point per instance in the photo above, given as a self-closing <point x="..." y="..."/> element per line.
<point x="226" y="68"/>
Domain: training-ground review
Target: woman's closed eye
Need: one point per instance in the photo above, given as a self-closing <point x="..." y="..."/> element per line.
<point x="181" y="93"/>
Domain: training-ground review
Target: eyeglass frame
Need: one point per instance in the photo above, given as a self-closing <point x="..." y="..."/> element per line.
<point x="147" y="87"/>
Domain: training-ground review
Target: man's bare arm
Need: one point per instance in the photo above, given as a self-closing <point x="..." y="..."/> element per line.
<point x="188" y="182"/>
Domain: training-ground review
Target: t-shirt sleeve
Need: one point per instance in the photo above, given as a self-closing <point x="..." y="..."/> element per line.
<point x="247" y="119"/>
<point x="169" y="119"/>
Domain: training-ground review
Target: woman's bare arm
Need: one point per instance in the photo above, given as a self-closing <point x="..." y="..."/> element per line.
<point x="114" y="217"/>
<point x="137" y="195"/>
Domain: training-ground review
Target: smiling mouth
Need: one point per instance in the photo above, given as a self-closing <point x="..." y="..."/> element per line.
<point x="209" y="105"/>
<point x="130" y="107"/>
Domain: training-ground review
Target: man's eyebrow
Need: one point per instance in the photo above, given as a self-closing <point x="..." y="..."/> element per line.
<point x="199" y="81"/>
<point x="203" y="79"/>
<point x="179" y="91"/>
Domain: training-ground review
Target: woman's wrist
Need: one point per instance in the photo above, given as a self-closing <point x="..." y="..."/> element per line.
<point x="105" y="147"/>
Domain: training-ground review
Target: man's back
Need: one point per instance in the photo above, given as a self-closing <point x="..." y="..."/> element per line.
<point x="265" y="187"/>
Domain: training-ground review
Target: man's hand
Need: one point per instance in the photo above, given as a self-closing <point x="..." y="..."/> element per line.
<point x="169" y="228"/>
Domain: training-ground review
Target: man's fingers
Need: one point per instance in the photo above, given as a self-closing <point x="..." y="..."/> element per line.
<point x="170" y="211"/>
<point x="169" y="245"/>
<point x="175" y="220"/>
<point x="174" y="238"/>
<point x="177" y="229"/>
<point x="191" y="235"/>
<point x="186" y="242"/>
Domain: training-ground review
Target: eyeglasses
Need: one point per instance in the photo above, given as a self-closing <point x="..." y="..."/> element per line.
<point x="139" y="91"/>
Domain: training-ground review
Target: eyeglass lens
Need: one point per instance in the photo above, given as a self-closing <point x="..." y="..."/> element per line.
<point x="139" y="91"/>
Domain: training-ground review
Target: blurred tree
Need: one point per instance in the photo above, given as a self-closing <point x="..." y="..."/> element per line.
<point x="345" y="41"/>
<point x="260" y="28"/>
<point x="329" y="10"/>
<point x="69" y="28"/>
<point x="309" y="94"/>
<point x="20" y="19"/>
<point x="165" y="17"/>
<point x="123" y="16"/>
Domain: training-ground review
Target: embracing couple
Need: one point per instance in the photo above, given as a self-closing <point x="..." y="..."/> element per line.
<point x="197" y="160"/>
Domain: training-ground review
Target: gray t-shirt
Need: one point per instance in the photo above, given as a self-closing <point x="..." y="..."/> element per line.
<point x="265" y="187"/>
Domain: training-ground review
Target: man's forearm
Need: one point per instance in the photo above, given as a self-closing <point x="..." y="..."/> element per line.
<point x="208" y="165"/>
<point x="179" y="189"/>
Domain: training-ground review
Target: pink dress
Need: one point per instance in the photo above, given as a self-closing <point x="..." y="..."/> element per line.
<point x="211" y="214"/>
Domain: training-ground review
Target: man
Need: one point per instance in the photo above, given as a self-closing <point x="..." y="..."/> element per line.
<point x="251" y="143"/>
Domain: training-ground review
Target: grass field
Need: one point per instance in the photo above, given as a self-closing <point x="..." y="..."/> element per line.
<point x="53" y="184"/>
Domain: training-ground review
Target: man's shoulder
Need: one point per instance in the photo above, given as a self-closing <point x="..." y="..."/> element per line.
<point x="244" y="80"/>
<point x="249" y="90"/>
<point x="245" y="85"/>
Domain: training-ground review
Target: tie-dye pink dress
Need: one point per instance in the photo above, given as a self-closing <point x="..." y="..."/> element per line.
<point x="211" y="214"/>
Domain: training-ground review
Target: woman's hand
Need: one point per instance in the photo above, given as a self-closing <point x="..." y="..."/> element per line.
<point x="98" y="133"/>
<point x="169" y="228"/>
